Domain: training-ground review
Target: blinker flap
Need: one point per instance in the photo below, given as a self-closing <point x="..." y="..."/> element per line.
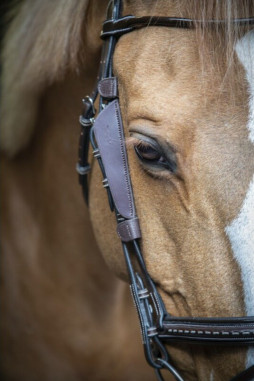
<point x="108" y="130"/>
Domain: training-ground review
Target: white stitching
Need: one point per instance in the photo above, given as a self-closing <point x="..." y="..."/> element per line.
<point x="124" y="157"/>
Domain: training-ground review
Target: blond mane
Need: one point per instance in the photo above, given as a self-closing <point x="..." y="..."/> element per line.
<point x="45" y="39"/>
<point x="41" y="43"/>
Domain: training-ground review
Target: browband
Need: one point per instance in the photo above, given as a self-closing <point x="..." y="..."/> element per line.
<point x="129" y="23"/>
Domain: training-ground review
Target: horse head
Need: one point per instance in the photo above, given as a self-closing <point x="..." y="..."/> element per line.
<point x="186" y="99"/>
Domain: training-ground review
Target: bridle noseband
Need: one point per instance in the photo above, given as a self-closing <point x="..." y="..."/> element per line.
<point x="105" y="133"/>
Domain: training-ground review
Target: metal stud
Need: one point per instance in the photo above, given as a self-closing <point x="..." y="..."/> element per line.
<point x="105" y="183"/>
<point x="96" y="153"/>
<point x="143" y="293"/>
<point x="152" y="331"/>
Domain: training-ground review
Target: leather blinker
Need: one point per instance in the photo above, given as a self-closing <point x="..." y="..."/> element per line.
<point x="108" y="130"/>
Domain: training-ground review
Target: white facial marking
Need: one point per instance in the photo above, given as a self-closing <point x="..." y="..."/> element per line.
<point x="241" y="230"/>
<point x="211" y="376"/>
<point x="245" y="51"/>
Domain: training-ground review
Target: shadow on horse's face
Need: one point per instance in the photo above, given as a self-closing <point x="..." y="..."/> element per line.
<point x="191" y="163"/>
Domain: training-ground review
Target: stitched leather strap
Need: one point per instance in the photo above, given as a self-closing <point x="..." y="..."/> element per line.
<point x="218" y="330"/>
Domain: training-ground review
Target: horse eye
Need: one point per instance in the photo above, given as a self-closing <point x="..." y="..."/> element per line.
<point x="149" y="154"/>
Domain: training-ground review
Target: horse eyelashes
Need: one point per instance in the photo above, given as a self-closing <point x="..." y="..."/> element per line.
<point x="153" y="156"/>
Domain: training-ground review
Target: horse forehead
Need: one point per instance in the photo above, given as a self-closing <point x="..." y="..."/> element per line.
<point x="153" y="67"/>
<point x="162" y="62"/>
<point x="178" y="102"/>
<point x="164" y="66"/>
<point x="150" y="51"/>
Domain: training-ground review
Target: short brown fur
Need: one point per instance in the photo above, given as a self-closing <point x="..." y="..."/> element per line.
<point x="51" y="319"/>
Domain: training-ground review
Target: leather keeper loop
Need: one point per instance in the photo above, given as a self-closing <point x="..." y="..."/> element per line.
<point x="108" y="88"/>
<point x="129" y="230"/>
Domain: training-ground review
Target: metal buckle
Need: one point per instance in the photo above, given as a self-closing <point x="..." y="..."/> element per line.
<point x="83" y="170"/>
<point x="86" y="122"/>
<point x="105" y="183"/>
<point x="96" y="153"/>
<point x="88" y="100"/>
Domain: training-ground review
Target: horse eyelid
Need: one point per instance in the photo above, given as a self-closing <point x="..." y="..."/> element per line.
<point x="171" y="162"/>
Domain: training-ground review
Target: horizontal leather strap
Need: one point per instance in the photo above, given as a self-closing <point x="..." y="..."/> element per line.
<point x="217" y="330"/>
<point x="129" y="23"/>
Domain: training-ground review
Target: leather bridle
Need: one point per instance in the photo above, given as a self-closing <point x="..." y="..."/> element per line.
<point x="105" y="133"/>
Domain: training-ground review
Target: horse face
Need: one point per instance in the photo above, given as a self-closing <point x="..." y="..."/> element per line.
<point x="191" y="164"/>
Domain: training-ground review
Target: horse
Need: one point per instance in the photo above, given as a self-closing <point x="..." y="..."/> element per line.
<point x="186" y="98"/>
